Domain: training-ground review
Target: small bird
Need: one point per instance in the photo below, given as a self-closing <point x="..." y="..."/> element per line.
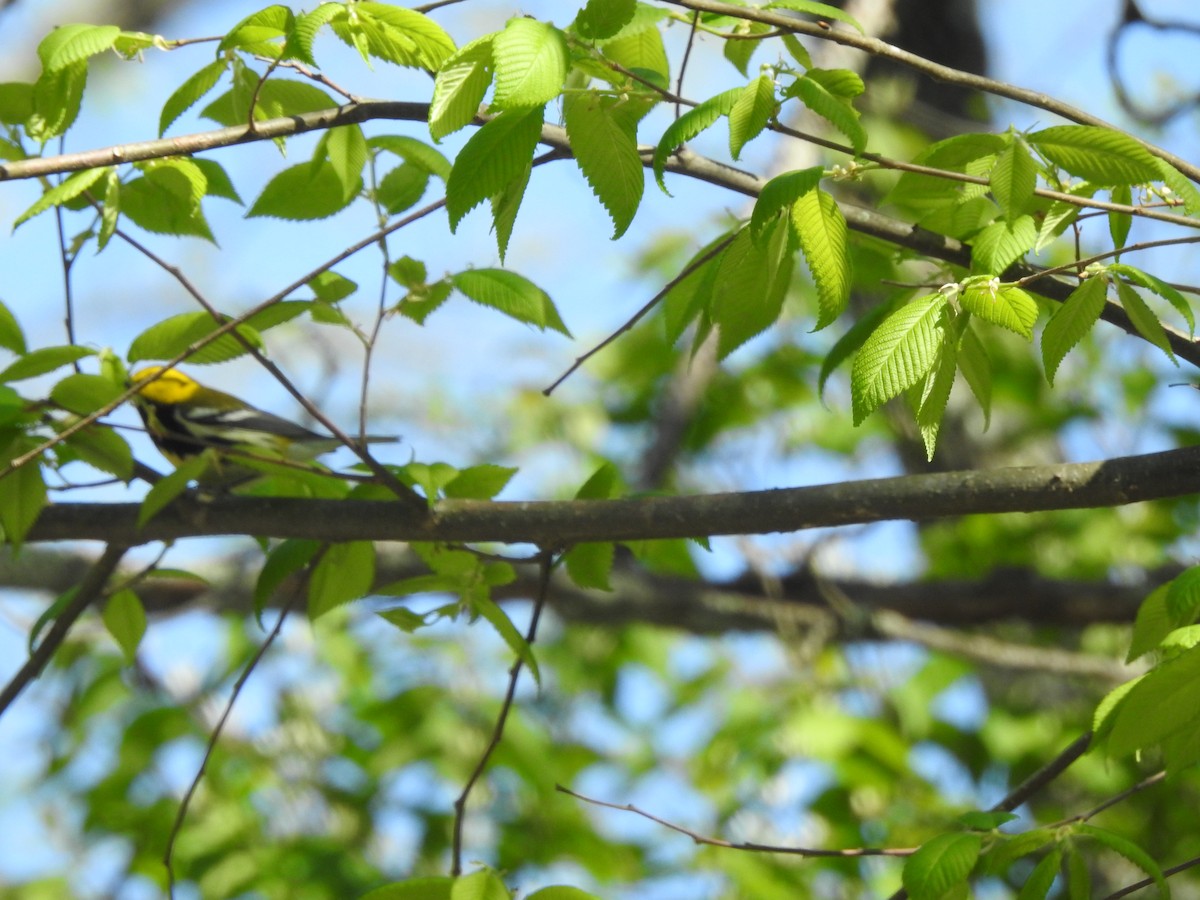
<point x="184" y="418"/>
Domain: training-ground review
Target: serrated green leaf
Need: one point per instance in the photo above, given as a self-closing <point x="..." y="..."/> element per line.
<point x="346" y="149"/>
<point x="189" y="93"/>
<point x="402" y="188"/>
<point x="603" y="134"/>
<point x="125" y="618"/>
<point x="986" y="819"/>
<point x="781" y="192"/>
<point x="496" y="617"/>
<point x="1013" y="178"/>
<point x="604" y="18"/>
<point x="515" y="296"/>
<point x="820" y="229"/>
<point x="22" y="495"/>
<point x="837" y="110"/>
<point x="1041" y="879"/>
<point x="459" y="88"/>
<point x="1180" y="186"/>
<point x="1100" y="155"/>
<point x="852" y="340"/>
<point x="929" y="399"/>
<point x="1129" y="850"/>
<point x="690" y="124"/>
<point x="68" y="189"/>
<point x="1060" y="215"/>
<point x="561" y="892"/>
<point x="345" y="572"/>
<point x="1165" y="701"/>
<point x="479" y="482"/>
<point x="639" y="47"/>
<point x="83" y="394"/>
<point x="976" y="366"/>
<point x="530" y="59"/>
<point x="749" y="285"/>
<point x="1003" y="305"/>
<point x="68" y="45"/>
<point x="1153" y="623"/>
<point x="57" y="95"/>
<point x="956" y="154"/>
<point x="16" y="102"/>
<point x="1158" y="286"/>
<point x="505" y="206"/>
<point x="820" y="10"/>
<point x="172" y="336"/>
<point x="304" y="30"/>
<point x="603" y="484"/>
<point x="103" y="449"/>
<point x="163" y="491"/>
<point x="750" y="113"/>
<point x="303" y="192"/>
<point x="43" y="360"/>
<point x="216" y="179"/>
<point x="260" y="32"/>
<point x="590" y="564"/>
<point x="1144" y="319"/>
<point x="428" y="888"/>
<point x="411" y="150"/>
<point x="693" y="293"/>
<point x="285" y="559"/>
<point x="1071" y="321"/>
<point x="940" y="864"/>
<point x="497" y="155"/>
<point x="1120" y="223"/>
<point x="1183" y="597"/>
<point x="395" y="34"/>
<point x="11" y="336"/>
<point x="898" y="354"/>
<point x="164" y="201"/>
<point x="1002" y="243"/>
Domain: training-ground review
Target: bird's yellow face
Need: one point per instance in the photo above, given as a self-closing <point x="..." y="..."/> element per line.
<point x="169" y="386"/>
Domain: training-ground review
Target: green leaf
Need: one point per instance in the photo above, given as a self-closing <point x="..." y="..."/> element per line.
<point x="83" y="394"/>
<point x="986" y="820"/>
<point x="57" y="95"/>
<point x="1144" y="319"/>
<point x="302" y="193"/>
<point x="1071" y="321"/>
<point x="1100" y="155"/>
<point x="940" y="864"/>
<point x="190" y="92"/>
<point x="346" y="149"/>
<point x="125" y="618"/>
<point x="1165" y="701"/>
<point x="603" y="134"/>
<point x="530" y="59"/>
<point x="750" y="113"/>
<point x="813" y="90"/>
<point x="639" y="48"/>
<point x="43" y="360"/>
<point x="1160" y="287"/>
<point x="561" y="892"/>
<point x="898" y="354"/>
<point x="496" y="617"/>
<point x="330" y="287"/>
<point x="285" y="560"/>
<point x="67" y="189"/>
<point x="1177" y="183"/>
<point x="511" y="294"/>
<point x="166" y="199"/>
<point x="604" y="18"/>
<point x="217" y="183"/>
<point x="11" y="336"/>
<point x="103" y="449"/>
<point x="397" y="35"/>
<point x="171" y="337"/>
<point x="1013" y="178"/>
<point x="1041" y="879"/>
<point x="749" y="285"/>
<point x="163" y="491"/>
<point x="16" y="102"/>
<point x="497" y="155"/>
<point x="260" y="32"/>
<point x="820" y="229"/>
<point x="1129" y="850"/>
<point x="436" y="887"/>
<point x="304" y="30"/>
<point x="1003" y="305"/>
<point x="956" y="154"/>
<point x="52" y="612"/>
<point x="1153" y="623"/>
<point x="1060" y="215"/>
<point x="976" y="366"/>
<point x="402" y="188"/>
<point x="603" y="484"/>
<point x="692" y="293"/>
<point x="820" y="10"/>
<point x="459" y="88"/>
<point x="690" y="124"/>
<point x="22" y="495"/>
<point x="1002" y="243"/>
<point x="505" y="206"/>
<point x="479" y="482"/>
<point x="344" y="572"/>
<point x="1120" y="223"/>
<point x="930" y="398"/>
<point x="70" y="44"/>
<point x="1183" y="597"/>
<point x="780" y="193"/>
<point x="590" y="564"/>
<point x="411" y="150"/>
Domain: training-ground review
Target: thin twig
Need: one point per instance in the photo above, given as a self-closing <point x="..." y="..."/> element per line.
<point x="691" y="267"/>
<point x="460" y="805"/>
<point x="86" y="593"/>
<point x="1147" y="882"/>
<point x="687" y="54"/>
<point x="1149" y="781"/>
<point x="743" y="845"/>
<point x="181" y="813"/>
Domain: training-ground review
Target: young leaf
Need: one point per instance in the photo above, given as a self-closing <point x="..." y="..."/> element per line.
<point x="603" y="133"/>
<point x="940" y="864"/>
<point x="813" y="90"/>
<point x="497" y="155"/>
<point x="1165" y="701"/>
<point x="929" y="399"/>
<point x="820" y="229"/>
<point x="395" y="34"/>
<point x="1071" y="321"/>
<point x="125" y="618"/>
<point x="511" y="294"/>
<point x="1100" y="155"/>
<point x="68" y="189"/>
<point x="603" y="18"/>
<point x="1002" y="243"/>
<point x="1060" y="215"/>
<point x="43" y="360"/>
<point x="781" y="192"/>
<point x="479" y="482"/>
<point x="1144" y="319"/>
<point x="976" y="366"/>
<point x="190" y="92"/>
<point x="413" y="151"/>
<point x="852" y="340"/>
<point x="163" y="491"/>
<point x="531" y="63"/>
<point x="11" y="336"/>
<point x="898" y="354"/>
<point x="750" y="113"/>
<point x="285" y="559"/>
<point x="1160" y="287"/>
<point x="103" y="449"/>
<point x="346" y="149"/>
<point x="690" y="124"/>
<point x="1013" y="178"/>
<point x="1009" y="307"/>
<point x="302" y="193"/>
<point x="496" y="617"/>
<point x="172" y="336"/>
<point x="22" y="495"/>
<point x="1129" y="850"/>
<point x="749" y="285"/>
<point x="1120" y="223"/>
<point x="1153" y="623"/>
<point x="505" y="206"/>
<point x="82" y="394"/>
<point x="57" y="95"/>
<point x="1041" y="879"/>
<point x="402" y="188"/>
<point x="820" y="10"/>
<point x="70" y="44"/>
<point x="344" y="572"/>
<point x="590" y="564"/>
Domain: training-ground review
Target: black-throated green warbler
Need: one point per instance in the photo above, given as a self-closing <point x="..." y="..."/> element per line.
<point x="184" y="418"/>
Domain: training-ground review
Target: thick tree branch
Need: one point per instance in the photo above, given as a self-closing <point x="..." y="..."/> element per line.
<point x="1114" y="482"/>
